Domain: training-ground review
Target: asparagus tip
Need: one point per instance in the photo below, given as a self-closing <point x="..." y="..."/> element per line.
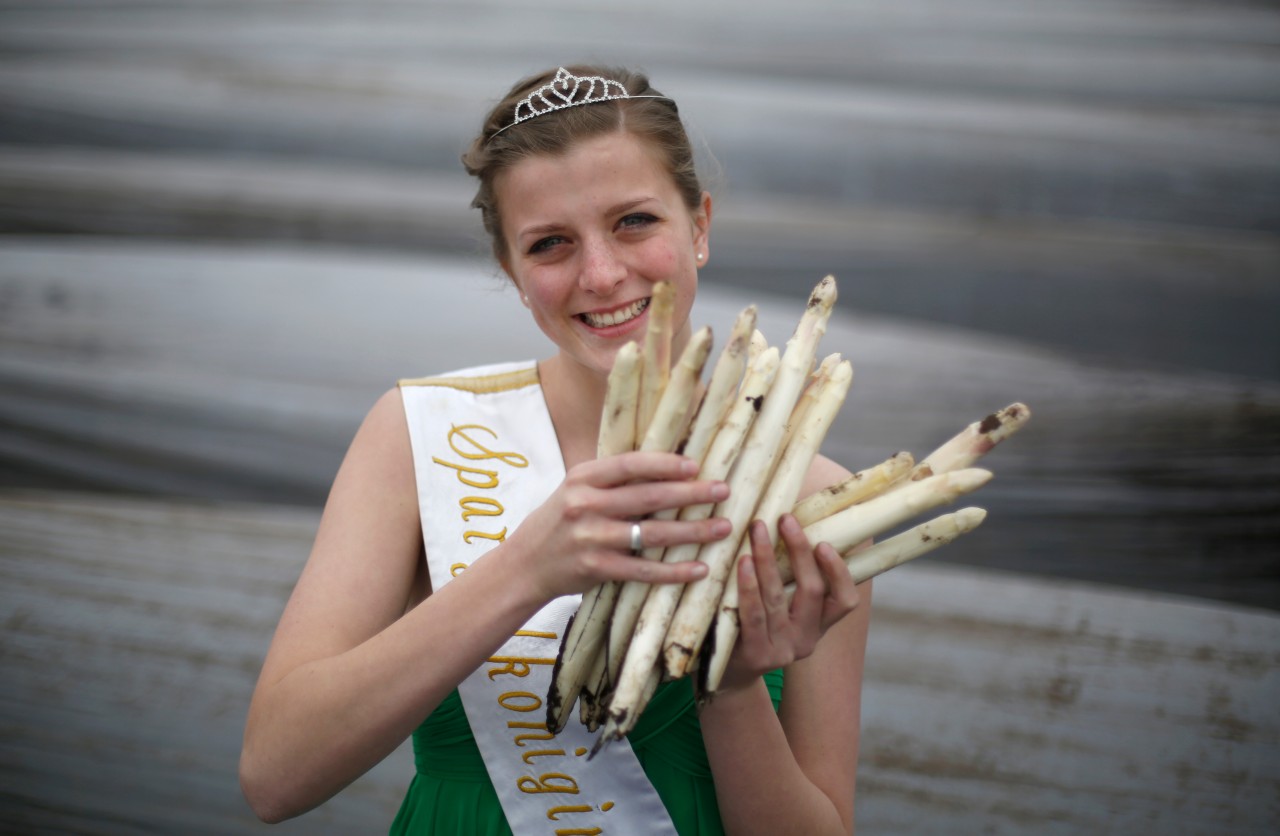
<point x="968" y="519"/>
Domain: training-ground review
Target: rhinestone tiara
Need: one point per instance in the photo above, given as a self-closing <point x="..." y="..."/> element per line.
<point x="567" y="90"/>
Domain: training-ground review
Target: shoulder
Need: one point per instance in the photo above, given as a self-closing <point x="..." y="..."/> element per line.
<point x="379" y="461"/>
<point x="384" y="427"/>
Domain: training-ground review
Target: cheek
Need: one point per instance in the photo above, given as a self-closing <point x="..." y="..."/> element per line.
<point x="543" y="287"/>
<point x="664" y="262"/>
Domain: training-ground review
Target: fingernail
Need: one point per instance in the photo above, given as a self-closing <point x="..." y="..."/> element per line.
<point x="719" y="491"/>
<point x="689" y="467"/>
<point x="721" y="527"/>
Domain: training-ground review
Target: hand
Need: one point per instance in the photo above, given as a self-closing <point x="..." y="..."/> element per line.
<point x="775" y="632"/>
<point x="581" y="536"/>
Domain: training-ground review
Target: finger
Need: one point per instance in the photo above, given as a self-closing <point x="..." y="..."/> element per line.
<point x="645" y="498"/>
<point x="842" y="596"/>
<point x="752" y="622"/>
<point x="773" y="594"/>
<point x="582" y="503"/>
<point x="615" y="568"/>
<point x="810" y="585"/>
<point x="664" y="533"/>
<point x="623" y="468"/>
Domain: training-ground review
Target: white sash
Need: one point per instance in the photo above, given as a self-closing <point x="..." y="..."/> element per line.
<point x="485" y="456"/>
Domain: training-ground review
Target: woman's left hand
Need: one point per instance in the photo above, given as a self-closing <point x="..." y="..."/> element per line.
<point x="775" y="632"/>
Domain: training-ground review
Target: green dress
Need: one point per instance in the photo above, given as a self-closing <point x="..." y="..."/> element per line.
<point x="451" y="794"/>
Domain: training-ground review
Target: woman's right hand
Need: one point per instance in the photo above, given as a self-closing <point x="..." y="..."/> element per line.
<point x="581" y="536"/>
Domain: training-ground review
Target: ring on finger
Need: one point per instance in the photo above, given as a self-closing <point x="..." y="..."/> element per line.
<point x="637" y="539"/>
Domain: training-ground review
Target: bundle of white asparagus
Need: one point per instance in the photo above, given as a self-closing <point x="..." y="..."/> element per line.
<point x="757" y="424"/>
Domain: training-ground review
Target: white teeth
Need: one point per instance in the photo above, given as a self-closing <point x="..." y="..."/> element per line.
<point x="615" y="317"/>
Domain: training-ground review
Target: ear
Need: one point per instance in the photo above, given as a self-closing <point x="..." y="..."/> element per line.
<point x="702" y="229"/>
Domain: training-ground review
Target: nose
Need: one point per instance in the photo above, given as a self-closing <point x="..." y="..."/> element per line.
<point x="601" y="268"/>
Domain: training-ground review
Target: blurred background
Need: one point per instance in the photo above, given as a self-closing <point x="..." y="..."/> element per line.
<point x="226" y="226"/>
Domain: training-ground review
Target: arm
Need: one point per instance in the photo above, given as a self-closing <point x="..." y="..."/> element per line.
<point x="793" y="771"/>
<point x="355" y="665"/>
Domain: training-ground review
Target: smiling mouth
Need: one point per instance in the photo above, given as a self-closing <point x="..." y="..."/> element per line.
<point x="621" y="315"/>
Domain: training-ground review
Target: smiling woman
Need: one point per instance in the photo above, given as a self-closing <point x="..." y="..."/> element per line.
<point x="471" y="512"/>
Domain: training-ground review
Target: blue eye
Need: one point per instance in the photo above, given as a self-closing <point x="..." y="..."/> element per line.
<point x="545" y="244"/>
<point x="637" y="219"/>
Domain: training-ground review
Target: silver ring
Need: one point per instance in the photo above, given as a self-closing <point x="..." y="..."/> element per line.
<point x="637" y="541"/>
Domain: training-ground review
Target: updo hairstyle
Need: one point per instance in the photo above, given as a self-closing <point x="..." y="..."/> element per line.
<point x="654" y="120"/>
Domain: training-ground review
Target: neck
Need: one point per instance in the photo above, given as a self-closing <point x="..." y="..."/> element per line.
<point x="575" y="398"/>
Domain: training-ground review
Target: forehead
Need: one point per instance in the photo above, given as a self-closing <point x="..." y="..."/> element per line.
<point x="593" y="174"/>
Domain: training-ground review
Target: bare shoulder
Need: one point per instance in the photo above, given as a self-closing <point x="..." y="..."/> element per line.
<point x="385" y="430"/>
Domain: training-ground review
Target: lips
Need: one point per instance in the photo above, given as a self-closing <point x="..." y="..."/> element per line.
<point x="616" y="317"/>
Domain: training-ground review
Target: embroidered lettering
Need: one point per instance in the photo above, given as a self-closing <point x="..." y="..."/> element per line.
<point x="508" y="458"/>
<point x="512" y="701"/>
<point x="480" y="506"/>
<point x="555" y="812"/>
<point x="489" y="482"/>
<point x="548" y="782"/>
<point x="521" y="738"/>
<point x="542" y="753"/>
<point x="515" y="665"/>
<point x="500" y="536"/>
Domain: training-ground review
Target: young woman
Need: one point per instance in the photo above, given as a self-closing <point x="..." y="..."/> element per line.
<point x="587" y="187"/>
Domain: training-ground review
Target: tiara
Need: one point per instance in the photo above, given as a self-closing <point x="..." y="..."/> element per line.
<point x="567" y="90"/>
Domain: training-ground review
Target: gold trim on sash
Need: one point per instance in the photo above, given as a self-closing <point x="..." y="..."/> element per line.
<point x="482" y="385"/>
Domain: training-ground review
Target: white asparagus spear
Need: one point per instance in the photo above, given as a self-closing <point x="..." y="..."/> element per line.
<point x="677" y="403"/>
<point x="640" y="662"/>
<point x="622" y="394"/>
<point x="585" y="632"/>
<point x="592" y="703"/>
<point x="807" y="433"/>
<point x="853" y="525"/>
<point x="612" y="730"/>
<point x="973" y="442"/>
<point x="910" y="544"/>
<point x="665" y="431"/>
<point x="723" y="384"/>
<point x="698" y="606"/>
<point x="859" y="487"/>
<point x="803" y="441"/>
<point x="589" y="708"/>
<point x="657" y="354"/>
<point x="754" y="348"/>
<point x="809" y="394"/>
